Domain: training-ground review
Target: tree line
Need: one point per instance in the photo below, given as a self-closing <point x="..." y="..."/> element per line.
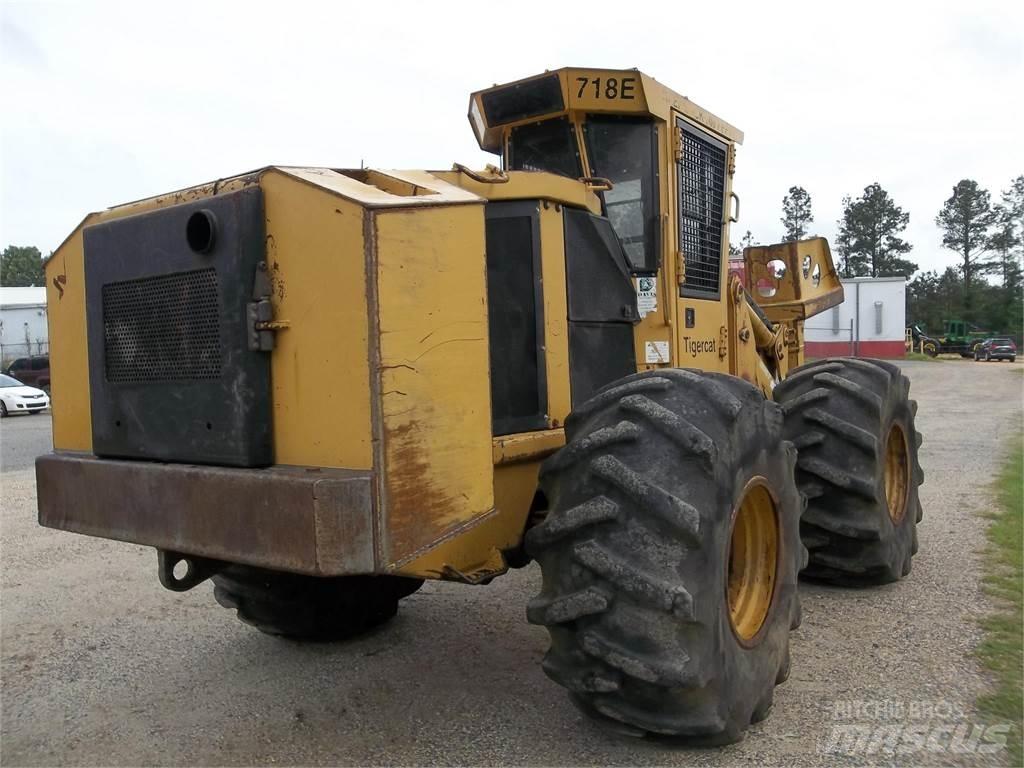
<point x="21" y="265"/>
<point x="987" y="238"/>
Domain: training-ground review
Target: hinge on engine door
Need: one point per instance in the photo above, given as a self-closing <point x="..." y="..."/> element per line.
<point x="260" y="313"/>
<point x="677" y="134"/>
<point x="680" y="267"/>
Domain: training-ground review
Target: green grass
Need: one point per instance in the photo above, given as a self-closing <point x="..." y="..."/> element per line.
<point x="1001" y="650"/>
<point x="919" y="356"/>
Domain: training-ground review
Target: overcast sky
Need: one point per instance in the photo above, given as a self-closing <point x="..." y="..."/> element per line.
<point x="105" y="103"/>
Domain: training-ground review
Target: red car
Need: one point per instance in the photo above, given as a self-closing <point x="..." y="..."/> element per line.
<point x="31" y="371"/>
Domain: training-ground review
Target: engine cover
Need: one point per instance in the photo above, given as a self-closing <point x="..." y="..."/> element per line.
<point x="172" y="376"/>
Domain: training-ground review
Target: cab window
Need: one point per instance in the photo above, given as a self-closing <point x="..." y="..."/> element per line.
<point x="624" y="151"/>
<point x="545" y="146"/>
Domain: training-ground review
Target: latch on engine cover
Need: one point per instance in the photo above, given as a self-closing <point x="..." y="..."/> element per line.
<point x="260" y="313"/>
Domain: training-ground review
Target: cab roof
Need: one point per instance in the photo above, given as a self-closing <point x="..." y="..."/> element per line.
<point x="557" y="92"/>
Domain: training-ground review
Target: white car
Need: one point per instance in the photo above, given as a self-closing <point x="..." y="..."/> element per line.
<point x="15" y="397"/>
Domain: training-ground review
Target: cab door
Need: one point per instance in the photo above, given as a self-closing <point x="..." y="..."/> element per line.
<point x="702" y="185"/>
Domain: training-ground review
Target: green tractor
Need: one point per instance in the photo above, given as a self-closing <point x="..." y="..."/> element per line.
<point x="958" y="337"/>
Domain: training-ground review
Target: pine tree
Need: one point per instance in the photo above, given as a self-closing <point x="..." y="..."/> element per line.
<point x="1007" y="242"/>
<point x="850" y="264"/>
<point x="870" y="233"/>
<point x="796" y="214"/>
<point x="965" y="220"/>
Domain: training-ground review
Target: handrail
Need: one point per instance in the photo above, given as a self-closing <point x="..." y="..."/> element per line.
<point x="497" y="176"/>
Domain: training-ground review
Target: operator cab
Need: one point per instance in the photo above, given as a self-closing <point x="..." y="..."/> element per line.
<point x="621" y="150"/>
<point x="608" y="126"/>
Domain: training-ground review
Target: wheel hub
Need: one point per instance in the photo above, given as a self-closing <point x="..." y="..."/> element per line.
<point x="896" y="472"/>
<point x="753" y="561"/>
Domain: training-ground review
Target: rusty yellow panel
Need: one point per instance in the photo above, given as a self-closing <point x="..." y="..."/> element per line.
<point x="69" y="348"/>
<point x="473" y="551"/>
<point x="514" y="489"/>
<point x="373" y="188"/>
<point x="526" y="446"/>
<point x="809" y="286"/>
<point x="432" y="382"/>
<point x="319" y="367"/>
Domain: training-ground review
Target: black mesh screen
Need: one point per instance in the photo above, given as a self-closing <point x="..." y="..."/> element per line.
<point x="162" y="328"/>
<point x="701" y="203"/>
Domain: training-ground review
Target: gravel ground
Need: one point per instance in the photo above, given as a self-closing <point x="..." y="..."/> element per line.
<point x="22" y="438"/>
<point x="100" y="665"/>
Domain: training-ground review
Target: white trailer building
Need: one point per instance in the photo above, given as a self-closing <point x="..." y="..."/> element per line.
<point x="871" y="321"/>
<point x="23" y="331"/>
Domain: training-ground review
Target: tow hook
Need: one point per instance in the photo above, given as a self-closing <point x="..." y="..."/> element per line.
<point x="179" y="573"/>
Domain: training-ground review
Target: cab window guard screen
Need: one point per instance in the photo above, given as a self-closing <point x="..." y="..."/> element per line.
<point x="624" y="151"/>
<point x="701" y="181"/>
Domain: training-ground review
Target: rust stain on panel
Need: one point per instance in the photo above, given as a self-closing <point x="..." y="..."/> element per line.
<point x="418" y="508"/>
<point x="435" y="423"/>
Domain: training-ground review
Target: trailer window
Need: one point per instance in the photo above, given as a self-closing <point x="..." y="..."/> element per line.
<point x="545" y="146"/>
<point x="624" y="151"/>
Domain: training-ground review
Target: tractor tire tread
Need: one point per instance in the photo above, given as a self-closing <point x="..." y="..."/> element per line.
<point x="623" y="553"/>
<point x="837" y="411"/>
<point x="308" y="607"/>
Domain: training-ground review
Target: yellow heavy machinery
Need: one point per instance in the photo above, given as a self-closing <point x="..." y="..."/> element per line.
<point x="319" y="387"/>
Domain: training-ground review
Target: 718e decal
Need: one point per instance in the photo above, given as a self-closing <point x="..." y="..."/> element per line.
<point x="607" y="88"/>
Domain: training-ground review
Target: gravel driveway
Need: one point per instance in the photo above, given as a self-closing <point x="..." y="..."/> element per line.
<point x="100" y="665"/>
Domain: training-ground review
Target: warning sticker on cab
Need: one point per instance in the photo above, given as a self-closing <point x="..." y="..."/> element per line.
<point x="656" y="352"/>
<point x="646" y="295"/>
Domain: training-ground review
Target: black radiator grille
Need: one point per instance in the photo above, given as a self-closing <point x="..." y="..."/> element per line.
<point x="701" y="201"/>
<point x="162" y="328"/>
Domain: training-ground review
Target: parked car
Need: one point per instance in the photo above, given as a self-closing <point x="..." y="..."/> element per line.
<point x="31" y="371"/>
<point x="16" y="397"/>
<point x="996" y="349"/>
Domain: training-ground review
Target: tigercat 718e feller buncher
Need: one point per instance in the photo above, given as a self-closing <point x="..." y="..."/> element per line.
<point x="319" y="387"/>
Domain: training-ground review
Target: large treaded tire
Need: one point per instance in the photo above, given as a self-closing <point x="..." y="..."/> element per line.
<point x="634" y="555"/>
<point x="308" y="607"/>
<point x="838" y="414"/>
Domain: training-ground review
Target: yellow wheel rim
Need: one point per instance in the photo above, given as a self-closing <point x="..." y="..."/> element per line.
<point x="897" y="472"/>
<point x="753" y="561"/>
